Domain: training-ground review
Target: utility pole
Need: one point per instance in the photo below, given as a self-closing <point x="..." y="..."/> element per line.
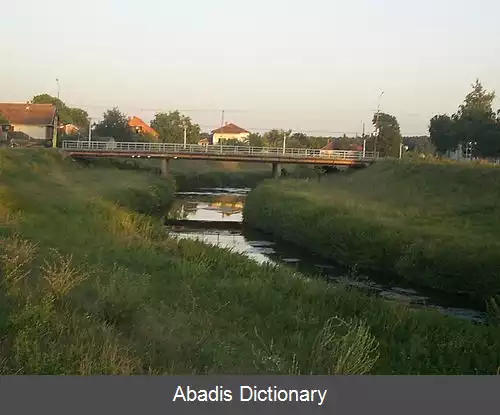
<point x="377" y="124"/>
<point x="284" y="142"/>
<point x="90" y="130"/>
<point x="58" y="88"/>
<point x="185" y="136"/>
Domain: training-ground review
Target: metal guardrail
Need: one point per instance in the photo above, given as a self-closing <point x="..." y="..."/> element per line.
<point x="175" y="148"/>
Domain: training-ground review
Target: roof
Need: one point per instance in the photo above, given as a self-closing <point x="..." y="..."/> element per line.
<point x="230" y="128"/>
<point x="329" y="146"/>
<point x="29" y="114"/>
<point x="137" y="122"/>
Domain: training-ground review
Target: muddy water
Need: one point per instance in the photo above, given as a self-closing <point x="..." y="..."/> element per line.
<point x="214" y="216"/>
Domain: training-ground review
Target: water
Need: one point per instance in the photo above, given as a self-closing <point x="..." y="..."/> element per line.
<point x="215" y="216"/>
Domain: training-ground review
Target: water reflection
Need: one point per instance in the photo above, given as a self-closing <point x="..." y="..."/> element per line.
<point x="226" y="205"/>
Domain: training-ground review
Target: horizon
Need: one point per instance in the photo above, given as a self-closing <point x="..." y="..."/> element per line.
<point x="284" y="65"/>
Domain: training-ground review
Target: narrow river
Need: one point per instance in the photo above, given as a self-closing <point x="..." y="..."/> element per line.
<point x="214" y="216"/>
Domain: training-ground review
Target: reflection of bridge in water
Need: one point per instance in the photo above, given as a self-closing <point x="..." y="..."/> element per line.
<point x="227" y="208"/>
<point x="167" y="151"/>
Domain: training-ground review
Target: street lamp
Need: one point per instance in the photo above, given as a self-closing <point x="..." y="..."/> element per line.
<point x="377" y="123"/>
<point x="185" y="135"/>
<point x="284" y="142"/>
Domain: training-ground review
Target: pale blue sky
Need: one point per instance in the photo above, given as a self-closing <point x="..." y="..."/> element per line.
<point x="315" y="65"/>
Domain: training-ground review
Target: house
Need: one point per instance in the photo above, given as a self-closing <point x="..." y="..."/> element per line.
<point x="140" y="127"/>
<point x="331" y="147"/>
<point x="229" y="131"/>
<point x="69" y="129"/>
<point x="36" y="121"/>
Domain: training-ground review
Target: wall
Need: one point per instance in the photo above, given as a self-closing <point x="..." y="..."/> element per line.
<point x="241" y="137"/>
<point x="34" y="131"/>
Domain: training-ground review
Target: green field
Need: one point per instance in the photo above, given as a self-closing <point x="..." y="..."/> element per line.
<point x="90" y="286"/>
<point x="435" y="225"/>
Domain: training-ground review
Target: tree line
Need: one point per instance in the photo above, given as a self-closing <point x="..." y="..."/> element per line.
<point x="474" y="126"/>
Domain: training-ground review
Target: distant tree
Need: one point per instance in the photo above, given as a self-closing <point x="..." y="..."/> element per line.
<point x="389" y="137"/>
<point x="67" y="115"/>
<point x="255" y="140"/>
<point x="442" y="133"/>
<point x="474" y="122"/>
<point x="477" y="104"/>
<point x="170" y="126"/>
<point x="298" y="140"/>
<point x="114" y="124"/>
<point x="274" y="138"/>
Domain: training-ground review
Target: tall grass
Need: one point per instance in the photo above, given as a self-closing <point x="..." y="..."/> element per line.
<point x="435" y="225"/>
<point x="90" y="286"/>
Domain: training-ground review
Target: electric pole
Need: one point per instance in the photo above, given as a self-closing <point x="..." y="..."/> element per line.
<point x="58" y="88"/>
<point x="90" y="130"/>
<point x="377" y="124"/>
<point x="185" y="136"/>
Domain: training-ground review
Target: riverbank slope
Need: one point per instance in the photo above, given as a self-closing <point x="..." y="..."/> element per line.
<point x="90" y="286"/>
<point x="435" y="225"/>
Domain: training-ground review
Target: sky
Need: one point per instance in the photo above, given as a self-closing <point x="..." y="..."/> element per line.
<point x="315" y="66"/>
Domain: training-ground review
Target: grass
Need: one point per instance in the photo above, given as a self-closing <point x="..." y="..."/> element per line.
<point x="196" y="174"/>
<point x="433" y="224"/>
<point x="90" y="286"/>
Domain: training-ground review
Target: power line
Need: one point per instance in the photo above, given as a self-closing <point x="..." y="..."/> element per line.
<point x="240" y="110"/>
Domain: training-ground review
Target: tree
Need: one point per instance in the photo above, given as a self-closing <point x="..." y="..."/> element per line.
<point x="443" y="134"/>
<point x="389" y="137"/>
<point x="274" y="138"/>
<point x="474" y="122"/>
<point x="255" y="140"/>
<point x="170" y="127"/>
<point x="298" y="140"/>
<point x="115" y="124"/>
<point x="67" y="115"/>
<point x="477" y="104"/>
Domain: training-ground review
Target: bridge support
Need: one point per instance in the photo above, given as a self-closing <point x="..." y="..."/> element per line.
<point x="276" y="170"/>
<point x="164" y="167"/>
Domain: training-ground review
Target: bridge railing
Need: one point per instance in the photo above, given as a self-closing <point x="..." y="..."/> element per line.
<point x="175" y="148"/>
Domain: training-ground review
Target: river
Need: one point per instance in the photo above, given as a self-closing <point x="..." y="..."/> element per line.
<point x="215" y="216"/>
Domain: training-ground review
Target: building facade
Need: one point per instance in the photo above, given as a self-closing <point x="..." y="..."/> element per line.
<point x="37" y="121"/>
<point x="229" y="131"/>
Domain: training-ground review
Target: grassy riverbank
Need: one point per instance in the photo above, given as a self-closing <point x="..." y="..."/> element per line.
<point x="89" y="286"/>
<point x="196" y="174"/>
<point x="436" y="225"/>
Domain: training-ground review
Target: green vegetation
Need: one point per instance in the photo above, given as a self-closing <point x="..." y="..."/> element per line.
<point x="435" y="225"/>
<point x="190" y="175"/>
<point x="475" y="127"/>
<point x="88" y="286"/>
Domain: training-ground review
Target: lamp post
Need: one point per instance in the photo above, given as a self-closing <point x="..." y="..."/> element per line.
<point x="185" y="135"/>
<point x="90" y="130"/>
<point x="377" y="124"/>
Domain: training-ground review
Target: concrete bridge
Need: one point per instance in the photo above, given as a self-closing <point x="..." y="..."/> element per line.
<point x="167" y="151"/>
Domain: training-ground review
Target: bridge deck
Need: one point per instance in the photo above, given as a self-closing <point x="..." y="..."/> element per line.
<point x="217" y="152"/>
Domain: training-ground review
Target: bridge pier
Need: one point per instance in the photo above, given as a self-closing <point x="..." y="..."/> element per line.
<point x="165" y="167"/>
<point x="276" y="170"/>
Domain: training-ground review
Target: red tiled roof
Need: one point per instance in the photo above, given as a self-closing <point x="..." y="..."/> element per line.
<point x="229" y="128"/>
<point x="137" y="122"/>
<point x="29" y="114"/>
<point x="329" y="146"/>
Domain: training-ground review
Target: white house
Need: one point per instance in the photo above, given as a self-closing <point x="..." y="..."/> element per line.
<point x="38" y="121"/>
<point x="229" y="131"/>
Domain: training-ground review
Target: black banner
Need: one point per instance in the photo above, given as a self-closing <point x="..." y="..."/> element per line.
<point x="261" y="395"/>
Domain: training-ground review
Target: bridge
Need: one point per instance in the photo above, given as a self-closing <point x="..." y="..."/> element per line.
<point x="167" y="151"/>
